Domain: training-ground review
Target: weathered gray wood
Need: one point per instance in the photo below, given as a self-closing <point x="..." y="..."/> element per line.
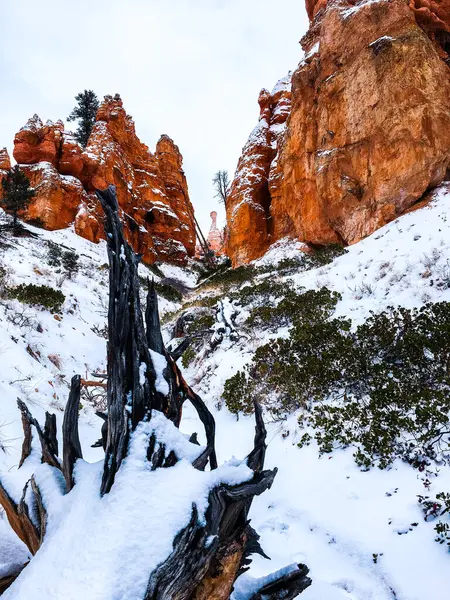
<point x="50" y="432"/>
<point x="71" y="441"/>
<point x="130" y="397"/>
<point x="47" y="444"/>
<point x="27" y="436"/>
<point x="197" y="546"/>
<point x="19" y="519"/>
<point x="153" y="326"/>
<point x="178" y="352"/>
<point x="286" y="587"/>
<point x="129" y="348"/>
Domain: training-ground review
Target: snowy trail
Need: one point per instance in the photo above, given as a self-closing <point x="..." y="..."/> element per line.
<point x="333" y="517"/>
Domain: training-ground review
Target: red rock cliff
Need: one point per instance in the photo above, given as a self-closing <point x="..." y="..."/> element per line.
<point x="249" y="222"/>
<point x="368" y="130"/>
<point x="151" y="188"/>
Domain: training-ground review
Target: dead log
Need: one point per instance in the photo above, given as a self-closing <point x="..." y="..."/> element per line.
<point x="27" y="437"/>
<point x="90" y="383"/>
<point x="286" y="586"/>
<point x="131" y="386"/>
<point x="47" y="437"/>
<point x="178" y="352"/>
<point x="19" y="520"/>
<point x="30" y="531"/>
<point x="50" y="433"/>
<point x="152" y="324"/>
<point x="71" y="441"/>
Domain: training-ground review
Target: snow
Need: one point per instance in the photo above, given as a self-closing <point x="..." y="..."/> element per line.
<point x="247" y="586"/>
<point x="383" y="37"/>
<point x="362" y="534"/>
<point x="353" y="529"/>
<point x="128" y="531"/>
<point x="13" y="553"/>
<point x="348" y="12"/>
<point x="160" y="363"/>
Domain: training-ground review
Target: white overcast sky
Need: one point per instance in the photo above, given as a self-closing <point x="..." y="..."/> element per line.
<point x="190" y="68"/>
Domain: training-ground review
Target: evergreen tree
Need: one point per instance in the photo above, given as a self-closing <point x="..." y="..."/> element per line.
<point x="84" y="113"/>
<point x="70" y="263"/>
<point x="17" y="193"/>
<point x="221" y="183"/>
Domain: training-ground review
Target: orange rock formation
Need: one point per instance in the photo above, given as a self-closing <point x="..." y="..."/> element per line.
<point x="5" y="162"/>
<point x="215" y="236"/>
<point x="151" y="188"/>
<point x="368" y="131"/>
<point x="257" y="178"/>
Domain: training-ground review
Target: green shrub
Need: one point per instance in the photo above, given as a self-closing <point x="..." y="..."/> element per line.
<point x="267" y="291"/>
<point x="165" y="290"/>
<point x="383" y="388"/>
<point x="217" y="268"/>
<point x="237" y="395"/>
<point x="438" y="508"/>
<point x="317" y="257"/>
<point x="394" y="400"/>
<point x="188" y="357"/>
<point x="5" y="273"/>
<point x="38" y="295"/>
<point x="54" y="254"/>
<point x="200" y="323"/>
<point x="36" y="222"/>
<point x="300" y="368"/>
<point x="323" y="255"/>
<point x="295" y="306"/>
<point x="228" y="277"/>
<point x="156" y="270"/>
<point x="168" y="292"/>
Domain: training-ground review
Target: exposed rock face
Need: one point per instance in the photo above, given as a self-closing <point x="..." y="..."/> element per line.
<point x="216" y="239"/>
<point x="5" y="162"/>
<point x="215" y="236"/>
<point x="151" y="188"/>
<point x="432" y="15"/>
<point x="368" y="132"/>
<point x="249" y="223"/>
<point x="58" y="197"/>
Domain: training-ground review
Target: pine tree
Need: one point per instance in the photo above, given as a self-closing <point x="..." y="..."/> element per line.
<point x="85" y="113"/>
<point x="17" y="193"/>
<point x="70" y="263"/>
<point x="221" y="184"/>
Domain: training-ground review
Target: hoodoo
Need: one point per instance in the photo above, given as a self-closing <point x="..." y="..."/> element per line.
<point x="151" y="188"/>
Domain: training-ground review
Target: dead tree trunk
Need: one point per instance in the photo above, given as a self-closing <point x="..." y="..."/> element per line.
<point x="208" y="554"/>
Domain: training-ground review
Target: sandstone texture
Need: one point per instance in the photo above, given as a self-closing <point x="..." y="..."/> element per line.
<point x="249" y="222"/>
<point x="367" y="135"/>
<point x="5" y="161"/>
<point x="215" y="236"/>
<point x="57" y="197"/>
<point x="151" y="188"/>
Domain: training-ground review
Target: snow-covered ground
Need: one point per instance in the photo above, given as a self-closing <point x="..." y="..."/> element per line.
<point x="362" y="534"/>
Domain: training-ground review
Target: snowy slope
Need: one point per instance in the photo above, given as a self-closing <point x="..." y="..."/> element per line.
<point x="324" y="511"/>
<point x="352" y="528"/>
<point x="40" y="353"/>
